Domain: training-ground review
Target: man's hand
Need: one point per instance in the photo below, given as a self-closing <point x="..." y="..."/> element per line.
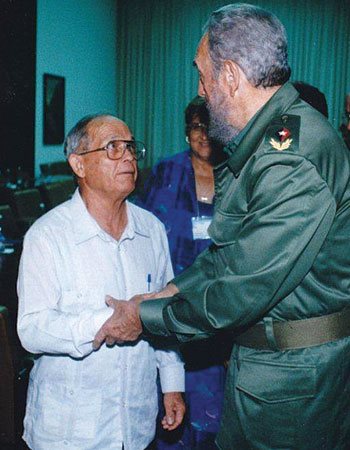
<point x="169" y="291"/>
<point x="123" y="325"/>
<point x="174" y="410"/>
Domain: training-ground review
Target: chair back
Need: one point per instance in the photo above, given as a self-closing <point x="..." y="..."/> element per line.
<point x="7" y="374"/>
<point x="28" y="203"/>
<point x="55" y="193"/>
<point x="56" y="168"/>
<point x="28" y="206"/>
<point x="8" y="223"/>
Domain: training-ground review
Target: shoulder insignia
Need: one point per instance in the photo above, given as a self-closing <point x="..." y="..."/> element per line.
<point x="283" y="133"/>
<point x="283" y="140"/>
<point x="281" y="146"/>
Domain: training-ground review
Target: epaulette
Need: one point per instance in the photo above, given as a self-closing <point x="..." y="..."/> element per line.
<point x="283" y="134"/>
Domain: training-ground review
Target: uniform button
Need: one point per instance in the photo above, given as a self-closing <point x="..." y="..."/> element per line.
<point x="66" y="442"/>
<point x="71" y="392"/>
<point x="79" y="295"/>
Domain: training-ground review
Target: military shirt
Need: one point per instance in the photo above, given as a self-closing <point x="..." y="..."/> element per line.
<point x="280" y="251"/>
<point x="280" y="230"/>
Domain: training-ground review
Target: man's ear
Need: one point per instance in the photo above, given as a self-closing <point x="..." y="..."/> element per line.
<point x="231" y="75"/>
<point x="77" y="165"/>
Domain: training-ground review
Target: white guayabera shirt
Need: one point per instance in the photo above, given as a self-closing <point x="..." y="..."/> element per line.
<point x="79" y="398"/>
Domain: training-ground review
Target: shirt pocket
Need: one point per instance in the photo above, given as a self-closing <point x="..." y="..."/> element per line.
<point x="87" y="413"/>
<point x="50" y="409"/>
<point x="276" y="396"/>
<point x="69" y="412"/>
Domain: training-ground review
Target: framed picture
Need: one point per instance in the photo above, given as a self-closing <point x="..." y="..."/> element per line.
<point x="54" y="95"/>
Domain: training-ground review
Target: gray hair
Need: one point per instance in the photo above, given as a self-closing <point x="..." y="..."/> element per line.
<point x="253" y="38"/>
<point x="78" y="134"/>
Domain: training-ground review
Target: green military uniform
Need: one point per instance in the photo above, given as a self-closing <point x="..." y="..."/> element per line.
<point x="281" y="252"/>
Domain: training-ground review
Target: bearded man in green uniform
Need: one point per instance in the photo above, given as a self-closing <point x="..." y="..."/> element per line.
<point x="277" y="275"/>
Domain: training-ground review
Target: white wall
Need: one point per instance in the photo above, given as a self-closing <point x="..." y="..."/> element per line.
<point x="76" y="39"/>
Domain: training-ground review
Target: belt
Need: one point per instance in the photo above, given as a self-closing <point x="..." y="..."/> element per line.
<point x="278" y="335"/>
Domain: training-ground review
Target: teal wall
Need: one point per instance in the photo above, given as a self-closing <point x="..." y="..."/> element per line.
<point x="76" y="39"/>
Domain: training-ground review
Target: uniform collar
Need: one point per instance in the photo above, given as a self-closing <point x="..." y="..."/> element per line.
<point x="85" y="226"/>
<point x="242" y="148"/>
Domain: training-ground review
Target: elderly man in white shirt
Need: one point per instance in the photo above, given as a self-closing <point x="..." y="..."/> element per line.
<point x="95" y="245"/>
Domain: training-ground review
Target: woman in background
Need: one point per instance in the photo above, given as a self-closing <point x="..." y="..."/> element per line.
<point x="180" y="192"/>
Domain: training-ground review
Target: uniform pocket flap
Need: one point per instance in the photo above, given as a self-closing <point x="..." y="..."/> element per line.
<point x="275" y="382"/>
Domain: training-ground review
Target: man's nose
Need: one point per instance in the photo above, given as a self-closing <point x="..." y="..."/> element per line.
<point x="128" y="155"/>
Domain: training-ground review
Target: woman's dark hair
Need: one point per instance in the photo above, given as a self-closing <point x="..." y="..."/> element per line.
<point x="196" y="107"/>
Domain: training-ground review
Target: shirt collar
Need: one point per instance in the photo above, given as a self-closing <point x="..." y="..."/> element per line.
<point x="244" y="144"/>
<point x="85" y="226"/>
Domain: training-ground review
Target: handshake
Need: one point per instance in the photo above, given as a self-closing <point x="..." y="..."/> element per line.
<point x="125" y="323"/>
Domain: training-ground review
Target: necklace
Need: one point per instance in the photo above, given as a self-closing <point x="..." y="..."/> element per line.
<point x="204" y="180"/>
<point x="204" y="189"/>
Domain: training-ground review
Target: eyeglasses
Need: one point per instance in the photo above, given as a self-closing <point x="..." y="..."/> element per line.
<point x="115" y="149"/>
<point x="197" y="127"/>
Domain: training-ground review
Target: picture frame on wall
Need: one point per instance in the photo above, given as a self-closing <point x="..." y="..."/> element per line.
<point x="54" y="107"/>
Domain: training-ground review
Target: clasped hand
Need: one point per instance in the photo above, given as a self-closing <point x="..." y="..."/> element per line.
<point x="124" y="324"/>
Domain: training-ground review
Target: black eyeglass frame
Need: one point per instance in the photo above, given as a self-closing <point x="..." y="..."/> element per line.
<point x="196" y="127"/>
<point x="137" y="154"/>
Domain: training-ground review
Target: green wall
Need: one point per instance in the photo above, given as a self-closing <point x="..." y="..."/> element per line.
<point x="76" y="39"/>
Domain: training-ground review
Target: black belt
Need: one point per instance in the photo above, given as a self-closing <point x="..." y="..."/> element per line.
<point x="278" y="335"/>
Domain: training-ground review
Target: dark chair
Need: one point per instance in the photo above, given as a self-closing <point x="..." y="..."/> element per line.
<point x="55" y="168"/>
<point x="7" y="375"/>
<point x="28" y="206"/>
<point x="8" y="225"/>
<point x="15" y="365"/>
<point x="55" y="193"/>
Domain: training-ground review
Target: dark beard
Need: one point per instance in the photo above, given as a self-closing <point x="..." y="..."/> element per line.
<point x="219" y="129"/>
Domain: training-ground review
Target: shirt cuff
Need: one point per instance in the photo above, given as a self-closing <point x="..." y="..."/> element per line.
<point x="95" y="322"/>
<point x="172" y="378"/>
<point x="151" y="315"/>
